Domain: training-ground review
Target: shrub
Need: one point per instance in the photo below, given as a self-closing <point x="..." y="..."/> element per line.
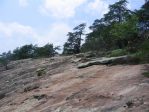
<point x="4" y="62"/>
<point x="143" y="52"/>
<point x="41" y="72"/>
<point x="146" y="74"/>
<point x="117" y="52"/>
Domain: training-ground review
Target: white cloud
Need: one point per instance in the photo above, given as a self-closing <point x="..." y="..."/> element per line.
<point x="130" y="4"/>
<point x="10" y="29"/>
<point x="23" y="3"/>
<point x="98" y="7"/>
<point x="15" y="35"/>
<point x="56" y="34"/>
<point x="61" y="8"/>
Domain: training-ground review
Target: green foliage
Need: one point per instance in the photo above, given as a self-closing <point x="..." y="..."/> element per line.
<point x="145" y="47"/>
<point x="24" y="52"/>
<point x="41" y="72"/>
<point x="70" y="44"/>
<point x="29" y="51"/>
<point x="125" y="34"/>
<point x="146" y="74"/>
<point x="143" y="15"/>
<point x="117" y="52"/>
<point x="46" y="51"/>
<point x="110" y="31"/>
<point x="73" y="44"/>
<point x="33" y="51"/>
<point x="143" y="52"/>
<point x="5" y="58"/>
<point x="120" y="28"/>
<point x="118" y="12"/>
<point x="120" y="31"/>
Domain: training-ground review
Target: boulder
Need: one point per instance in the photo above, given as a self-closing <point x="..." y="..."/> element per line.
<point x="104" y="61"/>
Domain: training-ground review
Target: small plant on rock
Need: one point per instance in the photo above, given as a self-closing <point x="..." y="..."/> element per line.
<point x="41" y="72"/>
<point x="146" y="74"/>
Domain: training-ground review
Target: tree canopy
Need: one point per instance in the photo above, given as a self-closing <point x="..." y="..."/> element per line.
<point x="28" y="51"/>
<point x="73" y="44"/>
<point x="120" y="28"/>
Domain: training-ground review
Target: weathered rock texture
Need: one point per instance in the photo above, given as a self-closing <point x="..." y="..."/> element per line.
<point x="112" y="60"/>
<point x="65" y="88"/>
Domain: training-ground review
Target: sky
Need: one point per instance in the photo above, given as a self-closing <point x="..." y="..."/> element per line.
<point x="47" y="21"/>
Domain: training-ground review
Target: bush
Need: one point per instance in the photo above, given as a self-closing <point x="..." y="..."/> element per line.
<point x="117" y="52"/>
<point x="41" y="72"/>
<point x="4" y="62"/>
<point x="143" y="52"/>
<point x="146" y="74"/>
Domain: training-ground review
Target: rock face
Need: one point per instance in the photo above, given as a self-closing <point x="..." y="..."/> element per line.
<point x="104" y="61"/>
<point x="65" y="88"/>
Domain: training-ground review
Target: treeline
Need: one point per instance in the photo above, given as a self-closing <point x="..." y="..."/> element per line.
<point x="28" y="51"/>
<point x="120" y="29"/>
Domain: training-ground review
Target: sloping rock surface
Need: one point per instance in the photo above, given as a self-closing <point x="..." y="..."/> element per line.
<point x="64" y="88"/>
<point x="104" y="61"/>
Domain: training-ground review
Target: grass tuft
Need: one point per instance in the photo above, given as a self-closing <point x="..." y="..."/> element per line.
<point x="146" y="74"/>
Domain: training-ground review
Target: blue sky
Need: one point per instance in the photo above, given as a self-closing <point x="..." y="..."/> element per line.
<point x="47" y="21"/>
